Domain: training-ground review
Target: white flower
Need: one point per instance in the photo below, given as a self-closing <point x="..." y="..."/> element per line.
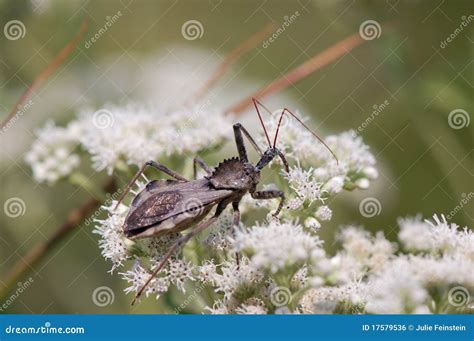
<point x="396" y="290"/>
<point x="253" y="306"/>
<point x="415" y="234"/>
<point x="178" y="272"/>
<point x="312" y="223"/>
<point x="276" y="246"/>
<point x="334" y="185"/>
<point x="219" y="308"/>
<point x="324" y="300"/>
<point x="302" y="182"/>
<point x="369" y="252"/>
<point x="132" y="134"/>
<point x="234" y="277"/>
<point x="137" y="278"/>
<point x="436" y="237"/>
<point x="220" y="231"/>
<point x="112" y="240"/>
<point x="324" y="213"/>
<point x="52" y="155"/>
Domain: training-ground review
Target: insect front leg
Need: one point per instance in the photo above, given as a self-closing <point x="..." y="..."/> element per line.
<point x="200" y="162"/>
<point x="271" y="194"/>
<point x="239" y="141"/>
<point x="155" y="165"/>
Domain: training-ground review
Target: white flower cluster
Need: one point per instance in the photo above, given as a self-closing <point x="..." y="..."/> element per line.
<point x="118" y="249"/>
<point x="277" y="246"/>
<point x="53" y="155"/>
<point x="124" y="135"/>
<point x="383" y="282"/>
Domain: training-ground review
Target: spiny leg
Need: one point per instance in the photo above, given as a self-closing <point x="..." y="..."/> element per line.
<point x="155" y="165"/>
<point x="177" y="244"/>
<point x="271" y="194"/>
<point x="235" y="225"/>
<point x="239" y="141"/>
<point x="198" y="161"/>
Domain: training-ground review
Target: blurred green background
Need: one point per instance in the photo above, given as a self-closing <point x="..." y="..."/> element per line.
<point x="425" y="165"/>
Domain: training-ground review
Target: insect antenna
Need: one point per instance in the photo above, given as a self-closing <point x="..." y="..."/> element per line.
<point x="256" y="102"/>
<point x="307" y="128"/>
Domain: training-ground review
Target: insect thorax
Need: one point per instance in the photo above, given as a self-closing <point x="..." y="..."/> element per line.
<point x="234" y="174"/>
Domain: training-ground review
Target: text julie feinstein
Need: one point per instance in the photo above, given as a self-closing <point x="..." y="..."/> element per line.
<point x="439" y="327"/>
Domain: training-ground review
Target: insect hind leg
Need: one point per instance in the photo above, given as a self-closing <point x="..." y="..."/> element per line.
<point x="198" y="161"/>
<point x="178" y="244"/>
<point x="155" y="165"/>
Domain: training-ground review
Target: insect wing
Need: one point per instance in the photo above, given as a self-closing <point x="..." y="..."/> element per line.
<point x="159" y="202"/>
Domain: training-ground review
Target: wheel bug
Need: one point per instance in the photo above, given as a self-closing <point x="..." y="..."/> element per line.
<point x="169" y="206"/>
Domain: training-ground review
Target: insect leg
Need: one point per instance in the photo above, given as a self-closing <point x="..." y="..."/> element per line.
<point x="177" y="244"/>
<point x="239" y="141"/>
<point x="155" y="165"/>
<point x="236" y="223"/>
<point x="200" y="162"/>
<point x="271" y="194"/>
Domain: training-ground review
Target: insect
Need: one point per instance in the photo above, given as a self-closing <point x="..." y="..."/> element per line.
<point x="170" y="206"/>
